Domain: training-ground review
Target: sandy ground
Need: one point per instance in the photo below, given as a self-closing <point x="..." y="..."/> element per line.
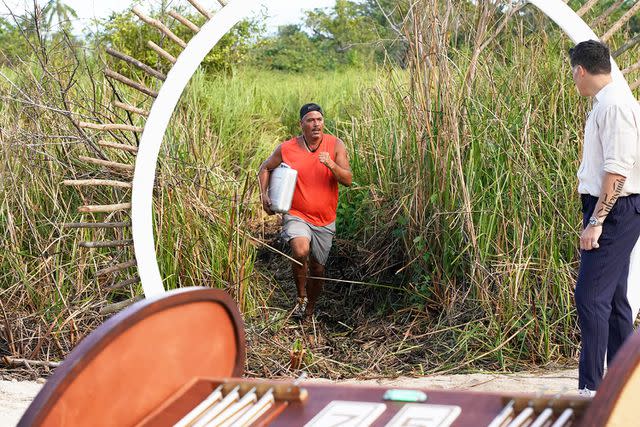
<point x="15" y="396"/>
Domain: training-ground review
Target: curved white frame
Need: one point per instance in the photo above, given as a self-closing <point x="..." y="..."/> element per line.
<point x="186" y="65"/>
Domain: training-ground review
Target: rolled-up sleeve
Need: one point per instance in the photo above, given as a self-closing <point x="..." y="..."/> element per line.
<point x="619" y="137"/>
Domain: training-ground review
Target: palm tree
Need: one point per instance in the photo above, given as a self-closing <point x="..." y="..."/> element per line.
<point x="61" y="12"/>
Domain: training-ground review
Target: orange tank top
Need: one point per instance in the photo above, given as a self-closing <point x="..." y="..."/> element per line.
<point x="315" y="198"/>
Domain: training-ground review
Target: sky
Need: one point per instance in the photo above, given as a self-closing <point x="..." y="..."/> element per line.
<point x="279" y="11"/>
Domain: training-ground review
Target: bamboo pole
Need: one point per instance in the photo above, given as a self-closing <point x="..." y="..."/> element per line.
<point x="117" y="146"/>
<point x="106" y="244"/>
<point x="623" y="20"/>
<point x="14" y="361"/>
<point x="139" y="64"/>
<point x="110" y="126"/>
<point x="607" y="12"/>
<point x="160" y="51"/>
<point x="184" y="21"/>
<point x="204" y="12"/>
<point x="627" y="45"/>
<point x="104" y="208"/>
<point x="95" y="182"/>
<point x="631" y="68"/>
<point x="586" y="7"/>
<point x="107" y="163"/>
<point x="131" y="281"/>
<point x="159" y="25"/>
<point x="116" y="268"/>
<point x="113" y="308"/>
<point x="96" y="225"/>
<point x="130" y="108"/>
<point x="127" y="81"/>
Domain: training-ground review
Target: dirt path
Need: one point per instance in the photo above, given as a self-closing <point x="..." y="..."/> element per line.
<point x="15" y="396"/>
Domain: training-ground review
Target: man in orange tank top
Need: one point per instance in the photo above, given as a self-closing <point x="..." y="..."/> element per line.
<point x="309" y="226"/>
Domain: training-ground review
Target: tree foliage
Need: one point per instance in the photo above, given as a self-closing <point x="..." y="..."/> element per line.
<point x="294" y="50"/>
<point x="12" y="42"/>
<point x="56" y="12"/>
<point x="126" y="33"/>
<point x="351" y="34"/>
<point x="349" y="31"/>
<point x="35" y="29"/>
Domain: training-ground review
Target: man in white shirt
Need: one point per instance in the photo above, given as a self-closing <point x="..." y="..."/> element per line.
<point x="609" y="184"/>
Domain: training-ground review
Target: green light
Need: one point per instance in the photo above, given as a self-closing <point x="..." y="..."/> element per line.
<point x="405" y="396"/>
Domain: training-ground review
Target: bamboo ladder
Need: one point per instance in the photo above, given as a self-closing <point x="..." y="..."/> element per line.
<point x="116" y="140"/>
<point x="117" y="174"/>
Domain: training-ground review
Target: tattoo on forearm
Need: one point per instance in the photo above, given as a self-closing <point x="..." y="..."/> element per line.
<point x="609" y="200"/>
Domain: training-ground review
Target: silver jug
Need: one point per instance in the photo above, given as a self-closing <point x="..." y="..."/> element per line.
<point x="282" y="184"/>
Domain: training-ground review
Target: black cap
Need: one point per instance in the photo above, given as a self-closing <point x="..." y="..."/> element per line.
<point x="307" y="108"/>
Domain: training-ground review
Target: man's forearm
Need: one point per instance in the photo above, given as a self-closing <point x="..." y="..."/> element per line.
<point x="611" y="189"/>
<point x="342" y="175"/>
<point x="263" y="179"/>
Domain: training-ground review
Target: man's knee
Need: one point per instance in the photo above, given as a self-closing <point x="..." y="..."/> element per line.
<point x="316" y="269"/>
<point x="299" y="247"/>
<point x="591" y="307"/>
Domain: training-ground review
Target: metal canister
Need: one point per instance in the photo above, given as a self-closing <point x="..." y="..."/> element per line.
<point x="281" y="187"/>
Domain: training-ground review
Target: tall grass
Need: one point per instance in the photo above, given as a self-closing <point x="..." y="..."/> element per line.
<point x="224" y="129"/>
<point x="471" y="180"/>
<point x="206" y="211"/>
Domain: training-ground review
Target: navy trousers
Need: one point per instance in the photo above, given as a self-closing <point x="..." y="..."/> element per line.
<point x="604" y="313"/>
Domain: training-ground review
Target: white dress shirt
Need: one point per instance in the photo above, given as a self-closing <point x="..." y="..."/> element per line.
<point x="611" y="141"/>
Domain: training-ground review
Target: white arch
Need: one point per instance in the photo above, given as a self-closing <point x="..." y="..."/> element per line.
<point x="161" y="111"/>
<point x="177" y="79"/>
<point x="573" y="26"/>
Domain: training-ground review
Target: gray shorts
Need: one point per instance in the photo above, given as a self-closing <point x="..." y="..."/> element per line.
<point x="320" y="238"/>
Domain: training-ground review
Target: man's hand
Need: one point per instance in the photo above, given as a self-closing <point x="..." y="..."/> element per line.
<point x="589" y="238"/>
<point x="325" y="159"/>
<point x="266" y="204"/>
